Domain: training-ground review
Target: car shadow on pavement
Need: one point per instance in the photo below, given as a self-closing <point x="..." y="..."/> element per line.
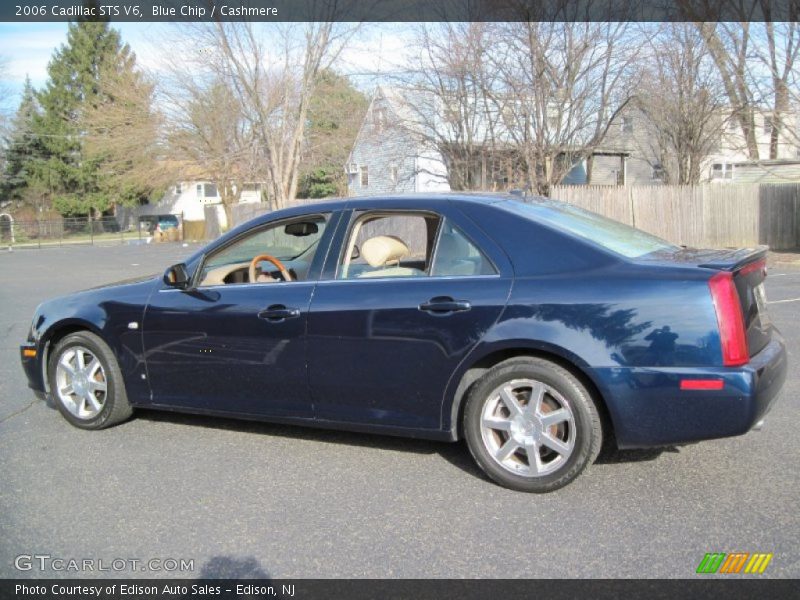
<point x="614" y="456"/>
<point x="233" y="567"/>
<point x="457" y="454"/>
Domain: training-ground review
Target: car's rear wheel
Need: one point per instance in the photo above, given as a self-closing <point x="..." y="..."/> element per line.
<point x="531" y="425"/>
<point x="86" y="383"/>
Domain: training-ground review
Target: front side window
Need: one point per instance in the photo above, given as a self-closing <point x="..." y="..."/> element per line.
<point x="457" y="256"/>
<point x="280" y="252"/>
<point x="389" y="245"/>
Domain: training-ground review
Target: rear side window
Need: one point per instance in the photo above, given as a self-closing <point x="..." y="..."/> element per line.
<point x="612" y="235"/>
<point x="457" y="256"/>
<point x="389" y="244"/>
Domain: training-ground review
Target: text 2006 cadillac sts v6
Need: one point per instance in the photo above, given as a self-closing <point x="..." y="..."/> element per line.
<point x="531" y="328"/>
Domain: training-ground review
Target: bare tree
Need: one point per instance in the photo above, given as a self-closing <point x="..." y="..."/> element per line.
<point x="757" y="66"/>
<point x="208" y="133"/>
<point x="273" y="84"/>
<point x="240" y="100"/>
<point x="682" y="103"/>
<point x="449" y="105"/>
<point x="781" y="60"/>
<point x="123" y="131"/>
<point x="562" y="85"/>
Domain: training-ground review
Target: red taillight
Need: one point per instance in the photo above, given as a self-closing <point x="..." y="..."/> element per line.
<point x="702" y="384"/>
<point x="730" y="320"/>
<point x="759" y="265"/>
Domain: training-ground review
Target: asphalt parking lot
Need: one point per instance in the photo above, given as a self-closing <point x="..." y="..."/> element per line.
<point x="245" y="499"/>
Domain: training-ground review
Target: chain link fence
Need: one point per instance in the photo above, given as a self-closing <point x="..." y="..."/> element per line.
<point x="85" y="230"/>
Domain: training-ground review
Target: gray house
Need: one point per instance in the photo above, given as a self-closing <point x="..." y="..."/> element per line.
<point x="394" y="152"/>
<point x="390" y="154"/>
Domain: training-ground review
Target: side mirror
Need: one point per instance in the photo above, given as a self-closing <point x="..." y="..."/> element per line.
<point x="356" y="253"/>
<point x="177" y="276"/>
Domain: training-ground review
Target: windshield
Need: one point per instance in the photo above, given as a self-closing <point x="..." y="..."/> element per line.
<point x="274" y="240"/>
<point x="614" y="236"/>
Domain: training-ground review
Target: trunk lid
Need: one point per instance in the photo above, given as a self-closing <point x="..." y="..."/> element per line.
<point x="748" y="267"/>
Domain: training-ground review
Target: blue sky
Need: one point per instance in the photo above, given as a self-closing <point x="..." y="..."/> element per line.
<point x="26" y="48"/>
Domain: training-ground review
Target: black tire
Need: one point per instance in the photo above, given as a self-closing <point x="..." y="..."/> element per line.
<point x="586" y="437"/>
<point x="115" y="407"/>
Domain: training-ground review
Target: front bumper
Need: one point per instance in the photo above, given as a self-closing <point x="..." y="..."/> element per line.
<point x="648" y="408"/>
<point x="32" y="365"/>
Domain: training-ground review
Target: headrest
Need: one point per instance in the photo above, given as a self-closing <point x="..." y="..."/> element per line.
<point x="382" y="250"/>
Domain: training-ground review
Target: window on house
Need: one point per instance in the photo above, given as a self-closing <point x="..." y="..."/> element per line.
<point x="657" y="172"/>
<point x="379" y="118"/>
<point x="767" y="124"/>
<point x="393" y="175"/>
<point x="722" y="171"/>
<point x="251" y="187"/>
<point x="207" y="191"/>
<point x="627" y="125"/>
<point x="364" y="173"/>
<point x="178" y="188"/>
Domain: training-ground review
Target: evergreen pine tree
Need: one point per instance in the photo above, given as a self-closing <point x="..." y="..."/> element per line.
<point x="21" y="149"/>
<point x="63" y="166"/>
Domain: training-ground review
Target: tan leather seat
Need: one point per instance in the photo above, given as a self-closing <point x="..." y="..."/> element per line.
<point x="383" y="253"/>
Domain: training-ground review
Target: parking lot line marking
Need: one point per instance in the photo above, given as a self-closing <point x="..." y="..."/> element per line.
<point x="783" y="301"/>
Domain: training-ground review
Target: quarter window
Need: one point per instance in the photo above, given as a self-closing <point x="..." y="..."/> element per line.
<point x="457" y="256"/>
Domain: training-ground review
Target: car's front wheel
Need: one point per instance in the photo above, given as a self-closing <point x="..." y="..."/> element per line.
<point x="86" y="383"/>
<point x="531" y="425"/>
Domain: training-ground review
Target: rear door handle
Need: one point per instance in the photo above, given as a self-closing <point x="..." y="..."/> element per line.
<point x="444" y="304"/>
<point x="278" y="312"/>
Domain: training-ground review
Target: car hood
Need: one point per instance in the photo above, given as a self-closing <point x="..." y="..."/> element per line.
<point x="122" y="282"/>
<point x="135" y="289"/>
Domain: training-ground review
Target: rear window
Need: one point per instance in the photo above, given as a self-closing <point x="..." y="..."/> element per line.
<point x="614" y="236"/>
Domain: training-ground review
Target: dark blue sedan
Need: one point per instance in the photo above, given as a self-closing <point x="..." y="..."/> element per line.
<point x="537" y="331"/>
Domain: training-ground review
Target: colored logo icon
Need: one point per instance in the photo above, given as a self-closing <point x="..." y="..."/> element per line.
<point x="736" y="562"/>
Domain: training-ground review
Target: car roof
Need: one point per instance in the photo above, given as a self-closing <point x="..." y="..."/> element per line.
<point x="390" y="200"/>
<point x="394" y="199"/>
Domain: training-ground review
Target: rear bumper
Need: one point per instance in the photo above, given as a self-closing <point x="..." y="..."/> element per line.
<point x="648" y="408"/>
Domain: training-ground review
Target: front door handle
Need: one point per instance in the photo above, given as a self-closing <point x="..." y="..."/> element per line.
<point x="444" y="305"/>
<point x="278" y="312"/>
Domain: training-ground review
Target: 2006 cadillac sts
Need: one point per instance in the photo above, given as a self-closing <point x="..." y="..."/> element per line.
<point x="537" y="331"/>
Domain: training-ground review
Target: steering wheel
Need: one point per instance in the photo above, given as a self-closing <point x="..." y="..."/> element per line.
<point x="254" y="267"/>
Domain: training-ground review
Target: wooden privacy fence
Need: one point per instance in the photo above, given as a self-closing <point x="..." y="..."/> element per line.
<point x="710" y="216"/>
<point x="714" y="215"/>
